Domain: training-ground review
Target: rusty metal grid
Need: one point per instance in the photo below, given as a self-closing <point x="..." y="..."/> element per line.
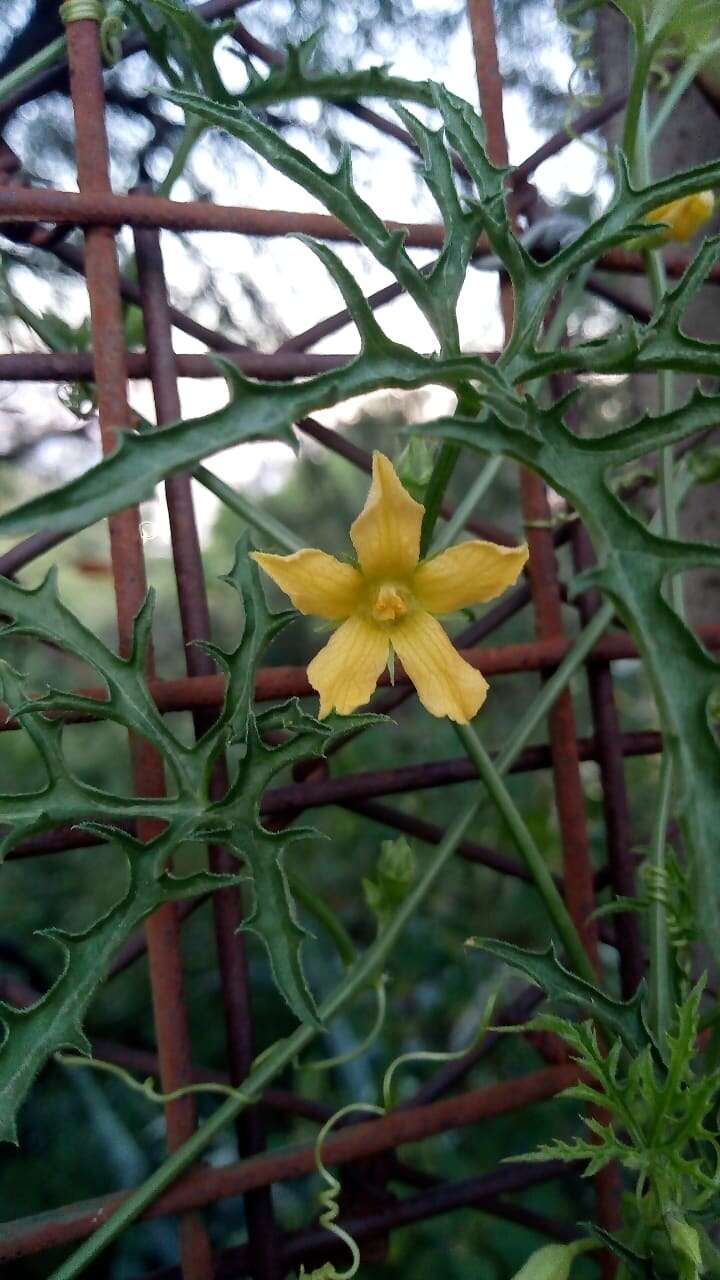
<point x="43" y="218"/>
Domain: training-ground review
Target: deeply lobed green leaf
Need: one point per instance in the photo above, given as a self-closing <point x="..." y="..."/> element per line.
<point x="56" y="1020"/>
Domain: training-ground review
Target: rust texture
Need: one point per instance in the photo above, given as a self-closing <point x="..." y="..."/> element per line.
<point x="195" y="624"/>
<point x="606" y="723"/>
<point x="189" y="693"/>
<point x="163" y="927"/>
<point x="105" y="209"/>
<point x="549" y="623"/>
<point x="406" y="1125"/>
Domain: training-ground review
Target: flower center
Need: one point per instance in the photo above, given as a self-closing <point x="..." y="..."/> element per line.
<point x="389" y="602"/>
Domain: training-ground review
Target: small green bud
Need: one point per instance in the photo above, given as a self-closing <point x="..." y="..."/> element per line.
<point x="553" y="1261"/>
<point x="397" y="861"/>
<point x="414" y="467"/>
<point x="395" y="874"/>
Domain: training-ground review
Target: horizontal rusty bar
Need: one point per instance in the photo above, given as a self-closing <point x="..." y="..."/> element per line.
<point x="70" y="366"/>
<point x="190" y="692"/>
<point x="287" y="801"/>
<point x="366" y="785"/>
<point x="145" y="1063"/>
<point x="314" y="1247"/>
<point x="430" y="833"/>
<point x="207" y="1185"/>
<point x="34" y="204"/>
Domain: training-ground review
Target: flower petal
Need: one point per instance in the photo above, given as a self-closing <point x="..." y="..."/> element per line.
<point x="386" y="534"/>
<point x="446" y="684"/>
<point x="469" y="573"/>
<point x="684" y="216"/>
<point x="346" y="671"/>
<point x="315" y="582"/>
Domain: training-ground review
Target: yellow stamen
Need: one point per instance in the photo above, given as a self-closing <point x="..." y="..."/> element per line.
<point x="390" y="603"/>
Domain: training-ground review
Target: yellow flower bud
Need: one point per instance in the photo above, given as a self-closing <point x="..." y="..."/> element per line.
<point x="684" y="217"/>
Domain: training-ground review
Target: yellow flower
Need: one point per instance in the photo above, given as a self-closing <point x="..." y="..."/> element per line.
<point x="685" y="216"/>
<point x="388" y="602"/>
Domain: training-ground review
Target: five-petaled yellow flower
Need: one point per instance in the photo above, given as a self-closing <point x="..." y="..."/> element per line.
<point x="684" y="216"/>
<point x="388" y="601"/>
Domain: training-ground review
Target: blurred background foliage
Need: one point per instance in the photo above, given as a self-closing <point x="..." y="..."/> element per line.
<point x="436" y="991"/>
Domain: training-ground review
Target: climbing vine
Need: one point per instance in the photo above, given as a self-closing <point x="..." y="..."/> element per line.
<point x="641" y="1061"/>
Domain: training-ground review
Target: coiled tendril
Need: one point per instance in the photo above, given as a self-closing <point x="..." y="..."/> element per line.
<point x="329" y="1196"/>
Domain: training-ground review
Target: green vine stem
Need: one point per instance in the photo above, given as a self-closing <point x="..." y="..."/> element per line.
<point x="44" y="60"/>
<point x="435" y="492"/>
<point x="636" y="102"/>
<point x="147" y="1087"/>
<point x="358" y="1050"/>
<point x="683" y="79"/>
<point x="274" y="1060"/>
<point x="659" y="971"/>
<point x="466" y="506"/>
<point x="192" y="133"/>
<point x="553" y="687"/>
<point x="660" y="1000"/>
<point x="529" y="851"/>
<point x="278" y="533"/>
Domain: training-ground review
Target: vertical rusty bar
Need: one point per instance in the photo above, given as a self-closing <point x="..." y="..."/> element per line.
<point x="542" y="567"/>
<point x="547" y="601"/>
<point x="195" y="621"/>
<point x="542" y="570"/>
<point x="103" y="278"/>
<point x="612" y="773"/>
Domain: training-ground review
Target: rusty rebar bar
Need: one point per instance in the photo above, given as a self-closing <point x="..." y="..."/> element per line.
<point x="207" y="1185"/>
<point x="315" y="1246"/>
<point x="188" y="693"/>
<point x="547" y="604"/>
<point x="616" y="812"/>
<point x="227" y="904"/>
<point x="92" y="158"/>
<point x="107" y="209"/>
<point x="74" y="366"/>
<point x="354" y="788"/>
